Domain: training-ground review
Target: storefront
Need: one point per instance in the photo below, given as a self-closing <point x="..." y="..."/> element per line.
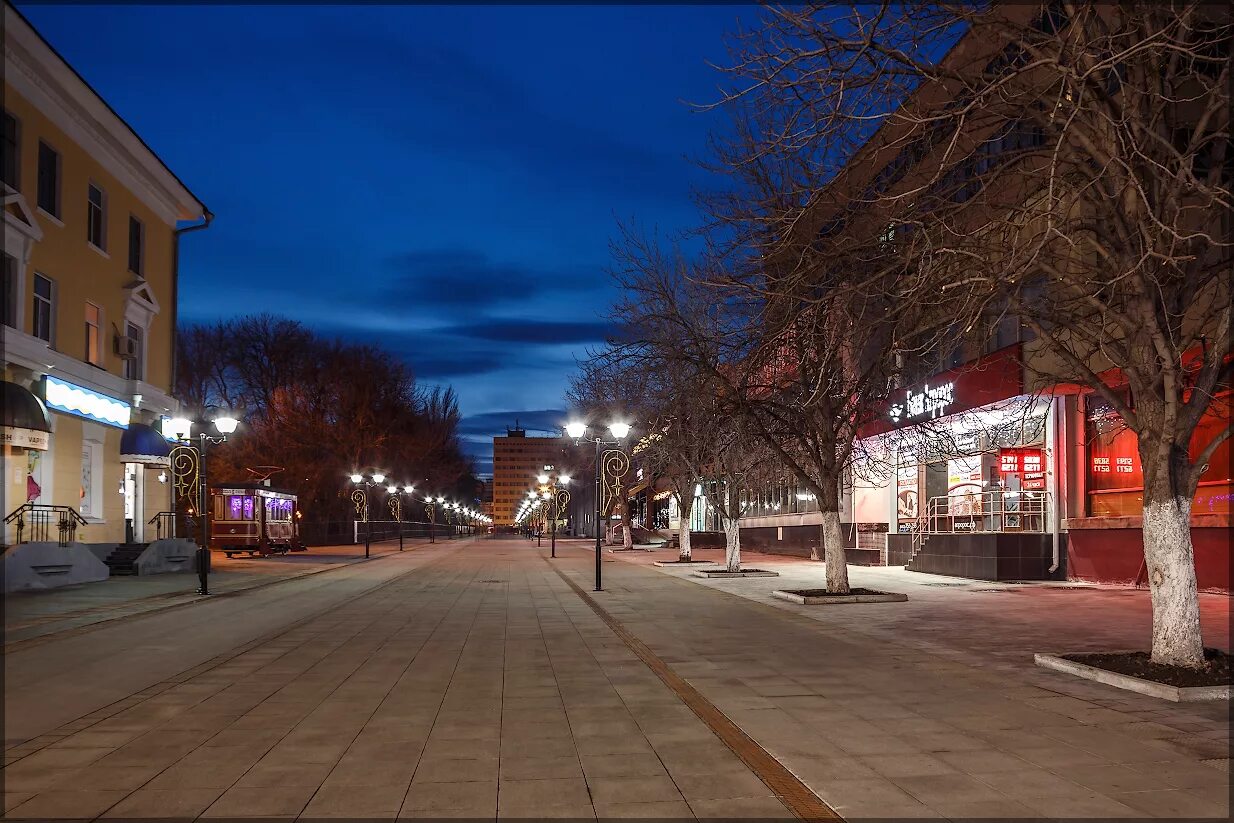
<point x="1104" y="541"/>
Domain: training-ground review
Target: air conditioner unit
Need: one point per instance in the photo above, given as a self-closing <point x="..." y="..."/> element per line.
<point x="127" y="348"/>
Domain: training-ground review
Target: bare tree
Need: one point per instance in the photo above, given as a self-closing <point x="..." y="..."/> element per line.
<point x="1062" y="165"/>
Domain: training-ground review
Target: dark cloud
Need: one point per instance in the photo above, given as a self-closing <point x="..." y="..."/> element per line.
<point x="452" y="278"/>
<point x="491" y="423"/>
<point x="536" y="331"/>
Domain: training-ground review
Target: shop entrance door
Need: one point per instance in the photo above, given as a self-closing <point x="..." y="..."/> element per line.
<point x="134" y="502"/>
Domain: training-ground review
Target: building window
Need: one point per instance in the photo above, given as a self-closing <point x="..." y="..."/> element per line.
<point x="11" y="162"/>
<point x="137" y="242"/>
<point x="96" y="225"/>
<point x="49" y="180"/>
<point x="10" y="291"/>
<point x="94" y="335"/>
<point x="135" y="368"/>
<point x="44" y="307"/>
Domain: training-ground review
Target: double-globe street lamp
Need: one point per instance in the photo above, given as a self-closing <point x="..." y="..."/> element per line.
<point x="611" y="464"/>
<point x="188" y="471"/>
<point x="359" y="496"/>
<point x="552" y="489"/>
<point x="394" y="502"/>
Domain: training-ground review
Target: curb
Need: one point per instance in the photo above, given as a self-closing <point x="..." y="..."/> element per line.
<point x="886" y="597"/>
<point x="719" y="574"/>
<point x="1176" y="694"/>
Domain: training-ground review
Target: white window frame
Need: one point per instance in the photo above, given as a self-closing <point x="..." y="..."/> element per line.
<point x="100" y="246"/>
<point x="50" y="340"/>
<point x="59" y="204"/>
<point x="130" y="372"/>
<point x="98" y="333"/>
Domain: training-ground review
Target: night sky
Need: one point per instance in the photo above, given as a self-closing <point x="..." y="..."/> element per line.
<point x="442" y="181"/>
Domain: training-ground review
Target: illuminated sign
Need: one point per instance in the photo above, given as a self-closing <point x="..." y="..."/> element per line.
<point x="928" y="403"/>
<point x="26" y="438"/>
<point x="1115" y="465"/>
<point x="1020" y="461"/>
<point x="78" y="400"/>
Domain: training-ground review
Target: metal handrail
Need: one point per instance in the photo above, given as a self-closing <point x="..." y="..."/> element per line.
<point x="988" y="511"/>
<point x="167" y="524"/>
<point x="39" y="517"/>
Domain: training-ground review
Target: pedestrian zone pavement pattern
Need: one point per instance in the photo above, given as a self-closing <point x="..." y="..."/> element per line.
<point x="482" y="685"/>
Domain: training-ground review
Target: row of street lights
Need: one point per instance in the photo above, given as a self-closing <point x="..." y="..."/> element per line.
<point x="394" y="497"/>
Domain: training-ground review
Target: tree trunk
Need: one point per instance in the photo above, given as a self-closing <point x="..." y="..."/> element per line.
<point x="1170" y="558"/>
<point x="683" y="527"/>
<point x="732" y="534"/>
<point x="732" y="544"/>
<point x="627" y="530"/>
<point x="833" y="538"/>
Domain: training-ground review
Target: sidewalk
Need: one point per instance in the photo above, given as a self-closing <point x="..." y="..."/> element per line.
<point x="40" y="614"/>
<point x="481" y="683"/>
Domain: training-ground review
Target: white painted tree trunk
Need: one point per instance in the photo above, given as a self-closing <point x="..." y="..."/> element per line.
<point x="833" y="539"/>
<point x="1170" y="560"/>
<point x="627" y="530"/>
<point x="732" y="545"/>
<point x="683" y="529"/>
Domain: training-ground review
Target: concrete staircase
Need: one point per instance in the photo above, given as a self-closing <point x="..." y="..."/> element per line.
<point x="123" y="560"/>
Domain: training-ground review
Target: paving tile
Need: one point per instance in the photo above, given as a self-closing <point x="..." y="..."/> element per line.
<point x="540" y="768"/>
<point x="275" y="773"/>
<point x="553" y="812"/>
<point x="164" y="803"/>
<point x="355" y="802"/>
<point x="477" y="796"/>
<point x="265" y="801"/>
<point x="746" y="808"/>
<point x="618" y="789"/>
<point x="70" y="804"/>
<point x="660" y="810"/>
<point x="455" y="770"/>
<point x="1172" y="803"/>
<point x="560" y="791"/>
<point x="720" y="785"/>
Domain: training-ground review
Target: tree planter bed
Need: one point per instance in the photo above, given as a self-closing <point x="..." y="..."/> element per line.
<point x="818" y="597"/>
<point x="1135" y="672"/>
<point x="668" y="564"/>
<point x="724" y="574"/>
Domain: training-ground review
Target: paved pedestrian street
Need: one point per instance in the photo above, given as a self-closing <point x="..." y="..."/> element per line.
<point x="481" y="679"/>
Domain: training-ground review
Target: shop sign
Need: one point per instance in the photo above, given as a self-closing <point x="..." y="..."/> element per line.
<point x="1113" y="465"/>
<point x="995" y="377"/>
<point x="78" y="400"/>
<point x="25" y="438"/>
<point x="1020" y="461"/>
<point x="928" y="403"/>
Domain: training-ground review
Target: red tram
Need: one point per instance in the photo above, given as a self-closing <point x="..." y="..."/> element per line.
<point x="255" y="519"/>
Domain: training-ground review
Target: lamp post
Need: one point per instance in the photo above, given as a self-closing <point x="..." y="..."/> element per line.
<point x="359" y="496"/>
<point x="552" y="490"/>
<point x="611" y="462"/>
<point x="394" y="501"/>
<point x="188" y="466"/>
<point x="431" y="513"/>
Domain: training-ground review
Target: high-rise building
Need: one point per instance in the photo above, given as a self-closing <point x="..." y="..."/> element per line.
<point x="517" y="459"/>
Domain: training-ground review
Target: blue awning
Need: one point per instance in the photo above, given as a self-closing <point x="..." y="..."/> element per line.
<point x="142" y="444"/>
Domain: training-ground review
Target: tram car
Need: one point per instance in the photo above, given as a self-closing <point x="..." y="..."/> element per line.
<point x="254" y="519"/>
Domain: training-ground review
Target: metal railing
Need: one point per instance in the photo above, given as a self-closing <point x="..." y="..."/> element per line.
<point x="35" y="522"/>
<point x="410" y="529"/>
<point x="173" y="524"/>
<point x="987" y="511"/>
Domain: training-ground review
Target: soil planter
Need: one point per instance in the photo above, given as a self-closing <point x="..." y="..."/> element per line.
<point x="1135" y="672"/>
<point x="724" y="574"/>
<point x="819" y="597"/>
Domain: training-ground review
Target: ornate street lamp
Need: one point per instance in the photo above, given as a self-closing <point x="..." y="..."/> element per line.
<point x="553" y="492"/>
<point x="359" y="496"/>
<point x="611" y="466"/>
<point x="394" y="502"/>
<point x="188" y="472"/>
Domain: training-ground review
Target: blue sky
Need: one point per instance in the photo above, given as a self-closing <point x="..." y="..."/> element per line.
<point x="443" y="181"/>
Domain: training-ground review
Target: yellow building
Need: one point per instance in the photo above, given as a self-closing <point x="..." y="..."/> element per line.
<point x="92" y="223"/>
